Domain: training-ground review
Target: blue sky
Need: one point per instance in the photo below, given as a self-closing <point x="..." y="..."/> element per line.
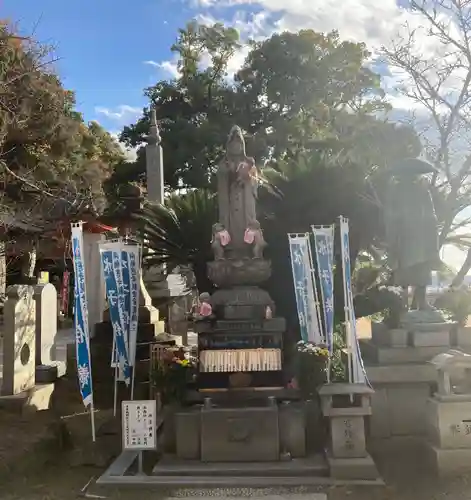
<point x="110" y="50"/>
<point x="102" y="46"/>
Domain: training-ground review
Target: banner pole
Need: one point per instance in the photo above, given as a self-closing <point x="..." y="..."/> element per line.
<point x="345" y="307"/>
<point x="115" y="395"/>
<point x="92" y="420"/>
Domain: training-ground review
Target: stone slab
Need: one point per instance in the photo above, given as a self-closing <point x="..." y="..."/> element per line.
<point x="348" y="437"/>
<point x="292" y="423"/>
<point x="448" y="423"/>
<point x="381" y="335"/>
<point x="45" y="297"/>
<point x="448" y="462"/>
<point x="45" y="374"/>
<point x="188" y="434"/>
<point x="240" y="434"/>
<point x="36" y="399"/>
<point x="352" y="468"/>
<point x="438" y="338"/>
<point x="401" y="374"/>
<point x="398" y="355"/>
<point x="312" y="465"/>
<point x="399" y="409"/>
<point x="461" y="336"/>
<point x="19" y="340"/>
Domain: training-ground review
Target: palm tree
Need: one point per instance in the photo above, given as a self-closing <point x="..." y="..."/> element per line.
<point x="178" y="234"/>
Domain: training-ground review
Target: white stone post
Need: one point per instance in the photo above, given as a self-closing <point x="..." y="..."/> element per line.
<point x="94" y="278"/>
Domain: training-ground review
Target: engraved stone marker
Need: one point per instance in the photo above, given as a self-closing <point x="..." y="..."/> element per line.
<point x="19" y="344"/>
<point x="46" y="322"/>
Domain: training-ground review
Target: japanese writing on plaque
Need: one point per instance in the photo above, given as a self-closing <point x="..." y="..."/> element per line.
<point x="139" y="425"/>
<point x="462" y="428"/>
<point x="348" y="435"/>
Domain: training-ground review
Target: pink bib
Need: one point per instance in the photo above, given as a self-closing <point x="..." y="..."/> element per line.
<point x="249" y="236"/>
<point x="205" y="309"/>
<point x="224" y="237"/>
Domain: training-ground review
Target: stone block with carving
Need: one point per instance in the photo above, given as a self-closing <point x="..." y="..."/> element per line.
<point x="346" y="405"/>
<point x="240" y="434"/>
<point x="19" y="340"/>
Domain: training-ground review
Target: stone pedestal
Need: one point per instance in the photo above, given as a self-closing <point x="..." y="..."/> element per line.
<point x="346" y="406"/>
<point x="449" y="434"/>
<point x="397" y="365"/>
<point x="241" y="434"/>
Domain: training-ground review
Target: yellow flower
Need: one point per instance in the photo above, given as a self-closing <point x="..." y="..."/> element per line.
<point x="184" y="362"/>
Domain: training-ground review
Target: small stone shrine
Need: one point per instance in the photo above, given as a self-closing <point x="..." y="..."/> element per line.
<point x="448" y="423"/>
<point x="346" y="406"/>
<point x="240" y="413"/>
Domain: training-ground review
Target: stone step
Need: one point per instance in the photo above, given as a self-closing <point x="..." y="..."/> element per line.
<point x="383" y="355"/>
<point x="309" y="466"/>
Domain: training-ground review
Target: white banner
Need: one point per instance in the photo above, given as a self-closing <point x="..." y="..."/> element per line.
<point x="82" y="331"/>
<point x="356" y="369"/>
<point x="305" y="288"/>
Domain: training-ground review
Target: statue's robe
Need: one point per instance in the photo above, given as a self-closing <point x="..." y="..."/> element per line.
<point x="411" y="231"/>
<point x="237" y="200"/>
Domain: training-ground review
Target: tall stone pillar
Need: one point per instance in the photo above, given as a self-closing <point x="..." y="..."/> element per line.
<point x="159" y="286"/>
<point x="154" y="163"/>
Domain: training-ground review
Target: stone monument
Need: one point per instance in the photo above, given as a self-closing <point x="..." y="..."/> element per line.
<point x="160" y="286"/>
<point x="19" y="389"/>
<point x="247" y="415"/>
<point x="397" y="355"/>
<point x="19" y="342"/>
<point x="48" y="367"/>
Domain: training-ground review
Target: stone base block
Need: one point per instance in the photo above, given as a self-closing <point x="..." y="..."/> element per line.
<point x="188" y="434"/>
<point x="399" y="409"/>
<point x="384" y="355"/>
<point x="148" y="314"/>
<point x="381" y="335"/>
<point x="46" y="374"/>
<point x="292" y="424"/>
<point x="448" y="423"/>
<point x="461" y="337"/>
<point x="240" y="434"/>
<point x="438" y="338"/>
<point x="352" y="468"/>
<point x="448" y="462"/>
<point x="36" y="399"/>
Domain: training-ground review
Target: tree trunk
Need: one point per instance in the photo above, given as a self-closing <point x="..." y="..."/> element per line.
<point x="459" y="278"/>
<point x="3" y="273"/>
<point x="28" y="264"/>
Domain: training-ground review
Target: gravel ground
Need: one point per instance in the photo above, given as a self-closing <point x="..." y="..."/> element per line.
<point x="405" y="481"/>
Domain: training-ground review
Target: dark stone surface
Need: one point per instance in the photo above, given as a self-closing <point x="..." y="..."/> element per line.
<point x="239" y="434"/>
<point x="234" y="272"/>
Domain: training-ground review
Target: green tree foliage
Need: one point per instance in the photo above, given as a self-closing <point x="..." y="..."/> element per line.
<point x="313" y="116"/>
<point x="293" y="91"/>
<point x="47" y="152"/>
<point x="51" y="163"/>
<point x="179" y="233"/>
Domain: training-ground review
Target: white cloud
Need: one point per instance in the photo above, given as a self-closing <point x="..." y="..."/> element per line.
<point x="130" y="153"/>
<point x="122" y="113"/>
<point x="374" y="22"/>
<point x="168" y="67"/>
